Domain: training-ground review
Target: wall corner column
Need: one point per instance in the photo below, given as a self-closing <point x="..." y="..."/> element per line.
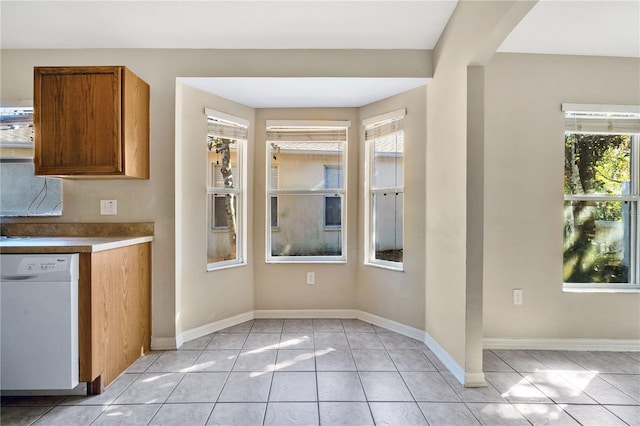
<point x="474" y="376"/>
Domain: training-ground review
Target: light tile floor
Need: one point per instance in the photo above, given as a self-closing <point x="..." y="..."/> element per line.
<point x="344" y="372"/>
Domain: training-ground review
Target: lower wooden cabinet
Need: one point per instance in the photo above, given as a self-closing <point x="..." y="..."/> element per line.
<point x="114" y="312"/>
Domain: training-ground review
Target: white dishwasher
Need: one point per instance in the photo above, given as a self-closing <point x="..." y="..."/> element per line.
<point x="39" y="321"/>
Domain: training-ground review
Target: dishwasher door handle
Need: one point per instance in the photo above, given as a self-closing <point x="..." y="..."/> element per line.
<point x="17" y="277"/>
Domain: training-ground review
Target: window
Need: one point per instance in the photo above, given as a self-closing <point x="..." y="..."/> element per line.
<point x="308" y="195"/>
<point x="21" y="192"/>
<point x="226" y="138"/>
<point x="332" y="203"/>
<point x="601" y="197"/>
<point x="384" y="190"/>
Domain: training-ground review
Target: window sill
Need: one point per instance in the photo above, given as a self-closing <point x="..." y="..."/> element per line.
<point x="590" y="288"/>
<point x="220" y="229"/>
<point x="388" y="266"/>
<point x="211" y="267"/>
<point x="295" y="259"/>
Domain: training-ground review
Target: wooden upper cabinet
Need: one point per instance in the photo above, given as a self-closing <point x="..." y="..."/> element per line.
<point x="90" y="122"/>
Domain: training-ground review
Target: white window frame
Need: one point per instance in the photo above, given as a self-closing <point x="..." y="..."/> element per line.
<point x="240" y="191"/>
<point x="592" y="119"/>
<point x="316" y="191"/>
<point x="370" y="191"/>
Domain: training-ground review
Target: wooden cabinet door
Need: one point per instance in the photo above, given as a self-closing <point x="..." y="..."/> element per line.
<point x="114" y="310"/>
<point x="77" y="120"/>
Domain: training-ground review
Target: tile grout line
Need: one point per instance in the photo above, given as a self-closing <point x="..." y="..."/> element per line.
<point x="315" y="364"/>
<point x="228" y="373"/>
<point x="273" y="373"/>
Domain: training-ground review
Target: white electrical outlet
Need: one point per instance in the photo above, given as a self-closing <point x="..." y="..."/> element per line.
<point x="311" y="278"/>
<point x="517" y="296"/>
<point x="108" y="207"/>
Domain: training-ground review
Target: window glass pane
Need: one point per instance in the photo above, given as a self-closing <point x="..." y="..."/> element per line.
<point x="224" y="153"/>
<point x="597" y="164"/>
<point x="301" y="165"/>
<point x="274" y="212"/>
<point x="388" y="212"/>
<point x="333" y="177"/>
<point x="24" y="194"/>
<point x="220" y="212"/>
<point x="222" y="237"/>
<point x="388" y="160"/>
<point x="332" y="204"/>
<point x="274" y="177"/>
<point x="21" y="192"/>
<point x="301" y="230"/>
<point x="332" y="211"/>
<point x="597" y="241"/>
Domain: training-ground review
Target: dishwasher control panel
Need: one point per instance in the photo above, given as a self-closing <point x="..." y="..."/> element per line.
<point x="30" y="267"/>
<point x="44" y="264"/>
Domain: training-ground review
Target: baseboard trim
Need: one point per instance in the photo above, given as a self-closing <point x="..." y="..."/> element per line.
<point x="470" y="380"/>
<point x="474" y="380"/>
<point x="398" y="327"/>
<point x="194" y="333"/>
<point x="305" y="313"/>
<point x="621" y="345"/>
<point x="445" y="358"/>
<point x="212" y="327"/>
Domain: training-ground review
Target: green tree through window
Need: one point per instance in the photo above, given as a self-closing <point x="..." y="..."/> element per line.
<point x="597" y="176"/>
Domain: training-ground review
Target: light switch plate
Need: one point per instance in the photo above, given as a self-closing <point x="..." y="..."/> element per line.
<point x="517" y="296"/>
<point x="108" y="207"/>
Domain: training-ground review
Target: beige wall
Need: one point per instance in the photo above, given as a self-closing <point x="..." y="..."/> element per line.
<point x="398" y="296"/>
<point x="205" y="297"/>
<point x="446" y="211"/>
<point x="524" y="166"/>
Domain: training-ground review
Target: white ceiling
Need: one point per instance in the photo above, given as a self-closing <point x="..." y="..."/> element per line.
<point x="224" y="24"/>
<point x="604" y="27"/>
<point x="597" y="28"/>
<point x="305" y="92"/>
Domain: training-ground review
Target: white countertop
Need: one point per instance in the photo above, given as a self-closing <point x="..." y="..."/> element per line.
<point x="66" y="244"/>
